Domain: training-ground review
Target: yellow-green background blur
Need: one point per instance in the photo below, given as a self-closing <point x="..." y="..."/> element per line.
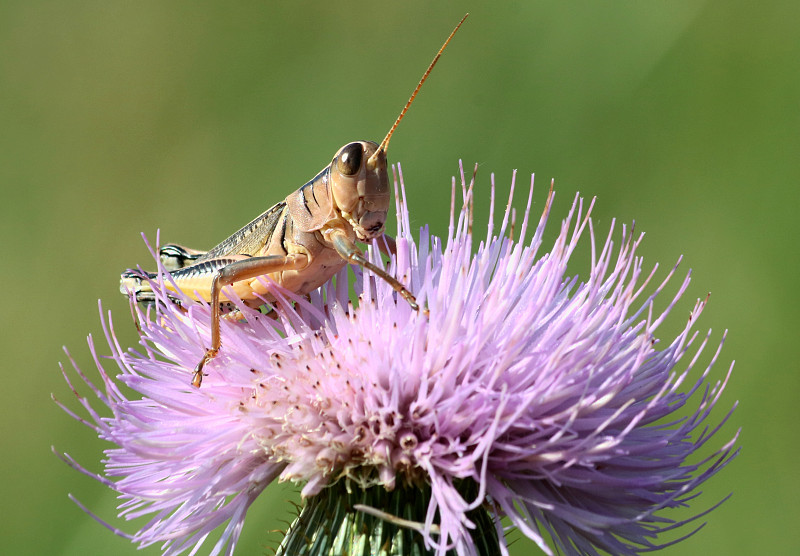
<point x="192" y="117"/>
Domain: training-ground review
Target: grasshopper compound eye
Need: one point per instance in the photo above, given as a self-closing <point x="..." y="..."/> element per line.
<point x="348" y="162"/>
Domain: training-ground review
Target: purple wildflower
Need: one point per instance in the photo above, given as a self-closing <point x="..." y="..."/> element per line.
<point x="546" y="393"/>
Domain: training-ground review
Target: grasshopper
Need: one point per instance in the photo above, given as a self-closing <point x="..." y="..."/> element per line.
<point x="300" y="242"/>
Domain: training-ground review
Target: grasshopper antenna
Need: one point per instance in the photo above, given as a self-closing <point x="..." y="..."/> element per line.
<point x="385" y="143"/>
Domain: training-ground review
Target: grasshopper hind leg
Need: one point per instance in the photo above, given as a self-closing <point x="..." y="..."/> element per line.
<point x="136" y="285"/>
<point x="134" y="282"/>
<point x="174" y="256"/>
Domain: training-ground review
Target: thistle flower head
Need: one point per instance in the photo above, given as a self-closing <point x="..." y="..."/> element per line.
<point x="549" y="394"/>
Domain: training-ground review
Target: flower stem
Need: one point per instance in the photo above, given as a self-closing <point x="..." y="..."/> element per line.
<point x="342" y="520"/>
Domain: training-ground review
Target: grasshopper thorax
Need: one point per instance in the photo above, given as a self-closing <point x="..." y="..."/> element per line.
<point x="360" y="187"/>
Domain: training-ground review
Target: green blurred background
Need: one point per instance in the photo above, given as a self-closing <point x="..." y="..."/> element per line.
<point x="192" y="117"/>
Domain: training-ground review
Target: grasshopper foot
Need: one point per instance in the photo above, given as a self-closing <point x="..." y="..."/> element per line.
<point x="409" y="297"/>
<point x="197" y="377"/>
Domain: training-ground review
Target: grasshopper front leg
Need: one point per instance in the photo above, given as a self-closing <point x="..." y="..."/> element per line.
<point x="234" y="272"/>
<point x="352" y="254"/>
<point x="387" y="245"/>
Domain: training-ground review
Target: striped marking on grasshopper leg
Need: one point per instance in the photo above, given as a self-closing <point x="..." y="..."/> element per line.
<point x="174" y="256"/>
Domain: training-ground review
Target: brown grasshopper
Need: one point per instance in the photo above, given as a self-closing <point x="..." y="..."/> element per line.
<point x="300" y="243"/>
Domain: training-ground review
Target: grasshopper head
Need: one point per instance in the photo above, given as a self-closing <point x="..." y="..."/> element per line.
<point x="360" y="184"/>
<point x="360" y="187"/>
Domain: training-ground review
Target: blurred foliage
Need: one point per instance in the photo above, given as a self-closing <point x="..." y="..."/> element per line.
<point x="192" y="117"/>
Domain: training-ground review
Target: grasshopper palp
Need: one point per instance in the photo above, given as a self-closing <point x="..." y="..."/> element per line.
<point x="300" y="242"/>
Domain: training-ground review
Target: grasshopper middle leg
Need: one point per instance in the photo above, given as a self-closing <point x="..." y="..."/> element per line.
<point x="235" y="272"/>
<point x="352" y="254"/>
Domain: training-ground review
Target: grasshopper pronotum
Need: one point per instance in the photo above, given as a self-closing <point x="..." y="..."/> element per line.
<point x="300" y="243"/>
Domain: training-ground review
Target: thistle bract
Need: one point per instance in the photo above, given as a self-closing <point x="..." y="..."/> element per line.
<point x="548" y="395"/>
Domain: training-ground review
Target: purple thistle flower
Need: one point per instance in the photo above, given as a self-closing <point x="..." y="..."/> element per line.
<point x="545" y="392"/>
